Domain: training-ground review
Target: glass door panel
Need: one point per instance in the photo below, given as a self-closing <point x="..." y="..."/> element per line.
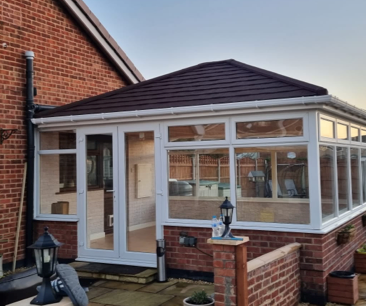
<point x="140" y="192"/>
<point x="97" y="169"/>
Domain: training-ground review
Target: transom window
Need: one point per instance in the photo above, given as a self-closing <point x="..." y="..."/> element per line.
<point x="269" y="129"/>
<point x="198" y="132"/>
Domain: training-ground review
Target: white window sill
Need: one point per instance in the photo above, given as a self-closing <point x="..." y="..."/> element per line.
<point x="57" y="218"/>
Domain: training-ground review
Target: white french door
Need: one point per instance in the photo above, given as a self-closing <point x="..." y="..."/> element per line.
<point x="140" y="192"/>
<point x="98" y="192"/>
<point x="119" y="193"/>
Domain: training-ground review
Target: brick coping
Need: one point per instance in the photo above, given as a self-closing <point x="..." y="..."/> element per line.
<point x="272" y="256"/>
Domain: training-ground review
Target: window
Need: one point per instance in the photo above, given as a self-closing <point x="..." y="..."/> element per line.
<point x="57" y="140"/>
<point x="355" y="176"/>
<point x="363" y="136"/>
<point x="199" y="132"/>
<point x="327" y="181"/>
<point x="342" y="131"/>
<point x="272" y="184"/>
<point x="57" y="173"/>
<point x="355" y="134"/>
<point x="199" y="180"/>
<point x="269" y="129"/>
<point x="53" y="183"/>
<point x="363" y="171"/>
<point x="342" y="177"/>
<point x="326" y="128"/>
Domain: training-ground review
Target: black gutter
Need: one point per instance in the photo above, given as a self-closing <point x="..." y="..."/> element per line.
<point x="30" y="109"/>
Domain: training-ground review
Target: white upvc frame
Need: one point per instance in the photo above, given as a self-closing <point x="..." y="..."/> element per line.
<point x="347" y="124"/>
<point x="37" y="215"/>
<point x="359" y="133"/>
<point x="129" y="257"/>
<point x="268" y="117"/>
<point x="231" y="144"/>
<point x="82" y="188"/>
<point x="185" y="122"/>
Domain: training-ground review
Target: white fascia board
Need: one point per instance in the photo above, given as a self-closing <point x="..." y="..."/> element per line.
<point x="333" y="105"/>
<point x="187" y="110"/>
<point x="120" y="65"/>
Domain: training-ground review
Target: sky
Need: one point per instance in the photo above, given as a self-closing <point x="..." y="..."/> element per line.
<point x="322" y="42"/>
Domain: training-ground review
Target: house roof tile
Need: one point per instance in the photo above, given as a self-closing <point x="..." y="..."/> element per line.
<point x="208" y="83"/>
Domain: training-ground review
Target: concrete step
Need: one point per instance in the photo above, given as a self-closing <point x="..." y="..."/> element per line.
<point x="115" y="272"/>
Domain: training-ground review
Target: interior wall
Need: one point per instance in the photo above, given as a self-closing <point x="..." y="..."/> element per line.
<point x="140" y="211"/>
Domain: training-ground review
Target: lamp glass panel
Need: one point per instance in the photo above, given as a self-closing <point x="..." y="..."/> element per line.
<point x="38" y="257"/>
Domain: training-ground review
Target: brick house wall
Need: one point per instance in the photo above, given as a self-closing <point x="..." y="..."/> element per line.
<point x="65" y="232"/>
<point x="68" y="67"/>
<point x="275" y="280"/>
<point x="319" y="254"/>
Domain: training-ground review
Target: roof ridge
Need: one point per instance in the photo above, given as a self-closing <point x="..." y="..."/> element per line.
<point x="305" y="85"/>
<point x="126" y="88"/>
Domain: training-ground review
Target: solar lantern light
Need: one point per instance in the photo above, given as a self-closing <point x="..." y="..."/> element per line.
<point x="45" y="253"/>
<point x="227" y="212"/>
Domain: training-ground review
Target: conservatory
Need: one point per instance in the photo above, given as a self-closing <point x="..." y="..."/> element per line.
<point x="166" y="152"/>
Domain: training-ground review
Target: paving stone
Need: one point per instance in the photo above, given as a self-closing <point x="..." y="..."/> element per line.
<point x="122" y="285"/>
<point x="176" y="301"/>
<point x="78" y="264"/>
<point x="132" y="298"/>
<point x="186" y="289"/>
<point x="156" y="287"/>
<point x="147" y="273"/>
<point x="99" y="283"/>
<point x="97" y="291"/>
<point x="95" y="304"/>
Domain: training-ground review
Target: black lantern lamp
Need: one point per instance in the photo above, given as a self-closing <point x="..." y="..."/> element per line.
<point x="227" y="212"/>
<point x="45" y="253"/>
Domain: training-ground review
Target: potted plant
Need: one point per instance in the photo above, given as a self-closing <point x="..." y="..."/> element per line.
<point x="199" y="298"/>
<point x="347" y="234"/>
<point x="360" y="259"/>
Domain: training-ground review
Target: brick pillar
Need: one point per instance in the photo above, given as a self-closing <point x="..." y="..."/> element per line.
<point x="230" y="272"/>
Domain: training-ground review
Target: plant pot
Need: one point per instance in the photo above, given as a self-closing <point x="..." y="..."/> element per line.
<point x="345" y="237"/>
<point x="185" y="303"/>
<point x="360" y="263"/>
<point x="343" y="290"/>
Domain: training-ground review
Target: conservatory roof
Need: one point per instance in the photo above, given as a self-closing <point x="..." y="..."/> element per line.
<point x="209" y="83"/>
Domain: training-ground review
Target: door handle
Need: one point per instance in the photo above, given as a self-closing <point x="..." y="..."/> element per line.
<point x="109" y="191"/>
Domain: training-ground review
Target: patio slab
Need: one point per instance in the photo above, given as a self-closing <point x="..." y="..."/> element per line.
<point x="132" y="298"/>
<point x="97" y="291"/>
<point x="157" y="287"/>
<point x="186" y="289"/>
<point x="121" y="285"/>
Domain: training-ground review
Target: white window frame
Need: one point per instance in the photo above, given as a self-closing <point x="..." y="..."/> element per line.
<point x="37" y="215"/>
<point x="347" y="124"/>
<point x="190" y="122"/>
<point x="270" y="117"/>
<point x="362" y="129"/>
<point x="327" y="139"/>
<point x="359" y="134"/>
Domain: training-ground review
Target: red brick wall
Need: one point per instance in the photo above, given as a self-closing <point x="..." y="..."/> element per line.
<point x="276" y="283"/>
<point x="319" y="255"/>
<point x="64" y="232"/>
<point x="68" y="67"/>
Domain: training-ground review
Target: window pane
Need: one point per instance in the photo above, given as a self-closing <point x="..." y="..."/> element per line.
<point x="363" y="136"/>
<point x="57" y="140"/>
<point x="273" y="184"/>
<point x="327" y="182"/>
<point x="363" y="170"/>
<point x="355" y="134"/>
<point x="326" y="128"/>
<point x="199" y="181"/>
<point x="269" y="129"/>
<point x="199" y="132"/>
<point x="343" y="177"/>
<point x="342" y="131"/>
<point x="58" y="184"/>
<point x="355" y="175"/>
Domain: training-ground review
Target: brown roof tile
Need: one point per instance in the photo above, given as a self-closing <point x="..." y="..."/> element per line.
<point x="208" y="83"/>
